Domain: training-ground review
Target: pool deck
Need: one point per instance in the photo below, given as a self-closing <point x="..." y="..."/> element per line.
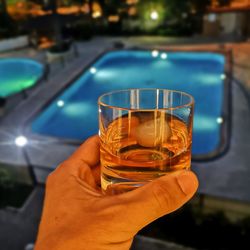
<point x="227" y="177"/>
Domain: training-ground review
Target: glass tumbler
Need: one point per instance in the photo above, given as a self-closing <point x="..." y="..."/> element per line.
<point x="144" y="134"/>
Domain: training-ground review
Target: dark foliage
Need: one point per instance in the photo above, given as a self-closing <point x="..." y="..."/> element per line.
<point x="12" y="193"/>
<point x="189" y="226"/>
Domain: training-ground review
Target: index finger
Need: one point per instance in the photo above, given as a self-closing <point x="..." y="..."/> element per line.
<point x="88" y="152"/>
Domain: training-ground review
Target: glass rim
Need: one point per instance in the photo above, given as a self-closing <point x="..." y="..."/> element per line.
<point x="101" y="103"/>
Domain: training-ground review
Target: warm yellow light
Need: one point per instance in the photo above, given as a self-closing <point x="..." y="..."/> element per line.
<point x="97" y="10"/>
<point x="131" y="1"/>
<point x="114" y="19"/>
<point x="96" y="14"/>
<point x="85" y="8"/>
<point x="132" y="11"/>
<point x="20" y="5"/>
<point x="21" y="10"/>
<point x="68" y="10"/>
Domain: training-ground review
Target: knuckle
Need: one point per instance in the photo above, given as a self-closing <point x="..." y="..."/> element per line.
<point x="163" y="196"/>
<point x="168" y="195"/>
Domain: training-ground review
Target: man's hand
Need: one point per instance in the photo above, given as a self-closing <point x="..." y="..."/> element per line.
<point x="77" y="216"/>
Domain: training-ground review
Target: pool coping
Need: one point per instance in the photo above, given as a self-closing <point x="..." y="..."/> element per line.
<point x="225" y="132"/>
<point x="226" y="128"/>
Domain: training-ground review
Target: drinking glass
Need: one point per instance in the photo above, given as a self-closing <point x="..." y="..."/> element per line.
<point x="144" y="134"/>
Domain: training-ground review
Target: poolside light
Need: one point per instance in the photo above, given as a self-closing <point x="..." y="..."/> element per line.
<point x="155" y="53"/>
<point x="154" y="15"/>
<point x="164" y="56"/>
<point x="60" y="103"/>
<point x="219" y="120"/>
<point x="92" y="70"/>
<point x="222" y="76"/>
<point x="21" y="141"/>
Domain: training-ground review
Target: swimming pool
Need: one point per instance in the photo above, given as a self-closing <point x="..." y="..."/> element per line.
<point x="18" y="74"/>
<point x="73" y="113"/>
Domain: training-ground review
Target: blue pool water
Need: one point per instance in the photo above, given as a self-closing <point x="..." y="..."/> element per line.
<point x="17" y="74"/>
<point x="73" y="114"/>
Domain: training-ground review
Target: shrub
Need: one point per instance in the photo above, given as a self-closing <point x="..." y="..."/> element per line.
<point x="82" y="30"/>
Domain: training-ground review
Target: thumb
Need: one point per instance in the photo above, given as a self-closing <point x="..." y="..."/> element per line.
<point x="157" y="198"/>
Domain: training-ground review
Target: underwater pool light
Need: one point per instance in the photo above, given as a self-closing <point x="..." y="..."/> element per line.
<point x="222" y="76"/>
<point x="155" y="53"/>
<point x="60" y="103"/>
<point x="164" y="56"/>
<point x="92" y="70"/>
<point x="219" y="120"/>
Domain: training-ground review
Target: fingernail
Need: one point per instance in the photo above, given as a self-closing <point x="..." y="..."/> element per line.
<point x="186" y="181"/>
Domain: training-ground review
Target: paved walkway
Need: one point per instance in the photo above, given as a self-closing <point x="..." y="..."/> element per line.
<point x="19" y="227"/>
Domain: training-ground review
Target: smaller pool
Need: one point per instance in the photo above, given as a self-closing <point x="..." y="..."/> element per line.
<point x="18" y="74"/>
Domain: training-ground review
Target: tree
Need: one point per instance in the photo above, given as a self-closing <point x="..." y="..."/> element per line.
<point x="200" y="6"/>
<point x="183" y="16"/>
<point x="7" y="26"/>
<point x="52" y="5"/>
<point x="3" y="7"/>
<point x="112" y="6"/>
<point x="168" y="12"/>
<point x="224" y="2"/>
<point x="102" y="3"/>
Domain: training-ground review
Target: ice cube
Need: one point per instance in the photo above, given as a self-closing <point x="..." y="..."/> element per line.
<point x="153" y="132"/>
